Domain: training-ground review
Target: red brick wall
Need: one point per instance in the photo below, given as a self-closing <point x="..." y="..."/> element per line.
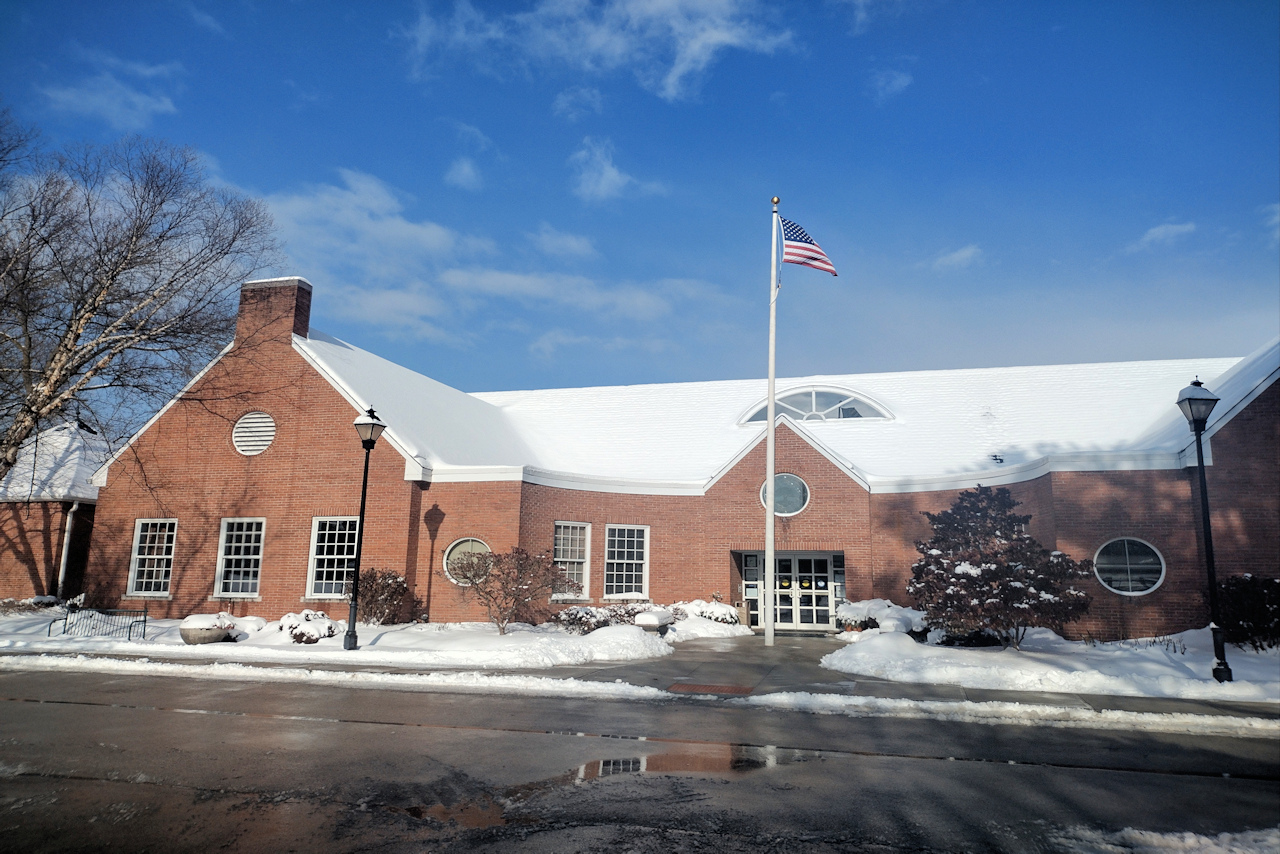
<point x="691" y="537"/>
<point x="489" y="512"/>
<point x="1244" y="490"/>
<point x="185" y="467"/>
<point x="31" y="547"/>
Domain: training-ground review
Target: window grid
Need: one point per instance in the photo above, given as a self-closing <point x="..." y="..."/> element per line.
<point x="241" y="560"/>
<point x="153" y="555"/>
<point x="333" y="555"/>
<point x="626" y="560"/>
<point x="570" y="552"/>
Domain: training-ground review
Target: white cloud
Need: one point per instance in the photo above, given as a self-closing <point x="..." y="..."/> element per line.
<point x="562" y="244"/>
<point x="958" y="260"/>
<point x="472" y="137"/>
<point x="864" y="11"/>
<point x="1271" y="217"/>
<point x="464" y="174"/>
<point x="668" y="44"/>
<point x="886" y="84"/>
<point x="204" y="19"/>
<point x="357" y="240"/>
<point x="106" y="97"/>
<point x="1161" y="235"/>
<point x="578" y="102"/>
<point x="598" y="178"/>
<point x="580" y="292"/>
<point x="123" y="105"/>
<point x="424" y="279"/>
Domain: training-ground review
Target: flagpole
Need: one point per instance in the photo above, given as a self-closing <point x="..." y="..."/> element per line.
<point x="766" y="587"/>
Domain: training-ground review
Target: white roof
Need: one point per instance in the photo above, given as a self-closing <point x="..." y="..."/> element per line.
<point x="56" y="465"/>
<point x="943" y="430"/>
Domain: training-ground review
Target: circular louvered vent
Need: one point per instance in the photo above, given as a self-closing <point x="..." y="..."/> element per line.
<point x="253" y="433"/>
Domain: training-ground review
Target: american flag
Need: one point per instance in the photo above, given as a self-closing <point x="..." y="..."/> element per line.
<point x="799" y="248"/>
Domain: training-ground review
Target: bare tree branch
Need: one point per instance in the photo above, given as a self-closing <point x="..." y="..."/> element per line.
<point x="119" y="270"/>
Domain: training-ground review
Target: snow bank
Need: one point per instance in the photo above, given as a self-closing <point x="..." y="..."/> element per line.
<point x="1019" y="714"/>
<point x="1178" y="666"/>
<point x="416" y="645"/>
<point x="1085" y="840"/>
<point x="891" y="617"/>
<point x="700" y="627"/>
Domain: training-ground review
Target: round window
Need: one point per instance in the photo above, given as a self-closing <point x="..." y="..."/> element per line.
<point x="1129" y="567"/>
<point x="455" y="555"/>
<point x="253" y="433"/>
<point x="790" y="495"/>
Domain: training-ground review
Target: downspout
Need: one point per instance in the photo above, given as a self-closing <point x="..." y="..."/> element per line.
<point x="66" y="546"/>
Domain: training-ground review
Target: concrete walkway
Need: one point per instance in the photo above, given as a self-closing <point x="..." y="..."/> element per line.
<point x="744" y="666"/>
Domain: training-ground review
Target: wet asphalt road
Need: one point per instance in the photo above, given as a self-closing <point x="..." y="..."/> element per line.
<point x="93" y="762"/>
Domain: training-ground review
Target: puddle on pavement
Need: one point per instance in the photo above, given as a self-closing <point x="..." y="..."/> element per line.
<point x="482" y="812"/>
<point x="635" y="755"/>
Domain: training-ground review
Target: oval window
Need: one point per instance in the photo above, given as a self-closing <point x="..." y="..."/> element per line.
<point x="1129" y="567"/>
<point x="456" y="552"/>
<point x="253" y="433"/>
<point x="790" y="495"/>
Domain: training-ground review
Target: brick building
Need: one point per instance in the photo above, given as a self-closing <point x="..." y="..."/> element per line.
<point x="46" y="512"/>
<point x="241" y="493"/>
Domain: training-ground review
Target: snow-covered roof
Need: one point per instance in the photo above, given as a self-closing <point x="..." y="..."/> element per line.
<point x="944" y="429"/>
<point x="56" y="465"/>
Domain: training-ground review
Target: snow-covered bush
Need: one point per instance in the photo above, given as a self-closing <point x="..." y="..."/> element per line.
<point x="717" y="611"/>
<point x="309" y="626"/>
<point x="879" y="614"/>
<point x="584" y="619"/>
<point x="1249" y="607"/>
<point x="981" y="572"/>
<point x="385" y="597"/>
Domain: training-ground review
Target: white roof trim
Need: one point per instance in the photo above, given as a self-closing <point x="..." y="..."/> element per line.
<point x="100" y="476"/>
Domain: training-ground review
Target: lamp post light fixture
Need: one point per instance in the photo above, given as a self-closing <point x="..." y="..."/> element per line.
<point x="370" y="427"/>
<point x="1196" y="402"/>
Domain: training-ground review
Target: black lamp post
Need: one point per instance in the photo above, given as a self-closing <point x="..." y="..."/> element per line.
<point x="370" y="428"/>
<point x="1196" y="402"/>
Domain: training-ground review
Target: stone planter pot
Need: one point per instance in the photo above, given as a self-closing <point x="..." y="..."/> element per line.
<point x="202" y="635"/>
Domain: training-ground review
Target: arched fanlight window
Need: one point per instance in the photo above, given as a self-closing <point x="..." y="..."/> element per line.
<point x="818" y="404"/>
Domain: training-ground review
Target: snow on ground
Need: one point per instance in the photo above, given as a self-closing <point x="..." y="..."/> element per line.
<point x="1018" y="714"/>
<point x="700" y="627"/>
<point x="1083" y="840"/>
<point x="459" y="681"/>
<point x="414" y="645"/>
<point x="1178" y="666"/>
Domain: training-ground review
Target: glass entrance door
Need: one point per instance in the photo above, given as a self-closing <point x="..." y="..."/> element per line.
<point x="803" y="585"/>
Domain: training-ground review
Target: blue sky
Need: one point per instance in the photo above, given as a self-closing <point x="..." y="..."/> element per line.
<point x="541" y="194"/>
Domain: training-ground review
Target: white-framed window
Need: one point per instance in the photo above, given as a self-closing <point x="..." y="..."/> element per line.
<point x="240" y="557"/>
<point x="460" y="548"/>
<point x="790" y="494"/>
<point x="1129" y="566"/>
<point x="626" y="561"/>
<point x="333" y="556"/>
<point x="151" y="566"/>
<point x="817" y="404"/>
<point x="572" y="553"/>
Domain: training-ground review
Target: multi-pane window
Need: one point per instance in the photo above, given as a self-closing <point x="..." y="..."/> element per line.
<point x="333" y="555"/>
<point x="1128" y="566"/>
<point x="572" y="545"/>
<point x="152" y="564"/>
<point x="626" y="560"/>
<point x="240" y="557"/>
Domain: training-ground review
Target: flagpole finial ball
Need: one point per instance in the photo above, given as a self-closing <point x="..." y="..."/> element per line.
<point x="776" y="200"/>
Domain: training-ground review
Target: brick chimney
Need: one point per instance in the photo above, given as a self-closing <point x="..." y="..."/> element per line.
<point x="274" y="309"/>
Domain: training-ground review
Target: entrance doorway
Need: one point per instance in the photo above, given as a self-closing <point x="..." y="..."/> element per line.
<point x="807" y="587"/>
